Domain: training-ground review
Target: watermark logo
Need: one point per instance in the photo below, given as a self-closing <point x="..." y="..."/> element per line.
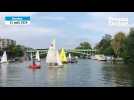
<point x="118" y="21"/>
<point x="17" y="20"/>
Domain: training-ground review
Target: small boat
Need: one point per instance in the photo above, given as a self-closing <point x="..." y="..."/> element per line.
<point x="72" y="60"/>
<point x="63" y="57"/>
<point x="69" y="58"/>
<point x="109" y="58"/>
<point x="100" y="57"/>
<point x="93" y="57"/>
<point x="34" y="66"/>
<point x="12" y="60"/>
<point x="4" y="58"/>
<point x="36" y="61"/>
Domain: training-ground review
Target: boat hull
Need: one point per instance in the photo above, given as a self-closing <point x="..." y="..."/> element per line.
<point x="64" y="62"/>
<point x="72" y="61"/>
<point x="52" y="64"/>
<point x="102" y="60"/>
<point x="4" y="62"/>
<point x="35" y="66"/>
<point x="57" y="66"/>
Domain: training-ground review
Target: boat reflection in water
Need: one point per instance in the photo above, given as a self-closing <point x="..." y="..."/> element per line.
<point x="34" y="76"/>
<point x="3" y="73"/>
<point x="56" y="76"/>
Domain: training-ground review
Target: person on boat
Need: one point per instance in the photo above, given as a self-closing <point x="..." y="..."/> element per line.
<point x="34" y="65"/>
<point x="34" y="62"/>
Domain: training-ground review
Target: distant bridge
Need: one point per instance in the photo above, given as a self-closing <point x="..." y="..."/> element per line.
<point x="86" y="52"/>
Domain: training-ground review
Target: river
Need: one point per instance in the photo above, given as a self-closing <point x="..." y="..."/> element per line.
<point x="86" y="73"/>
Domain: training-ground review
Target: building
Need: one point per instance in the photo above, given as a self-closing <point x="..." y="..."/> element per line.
<point x="6" y="42"/>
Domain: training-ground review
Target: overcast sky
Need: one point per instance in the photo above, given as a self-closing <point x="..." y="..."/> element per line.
<point x="68" y="28"/>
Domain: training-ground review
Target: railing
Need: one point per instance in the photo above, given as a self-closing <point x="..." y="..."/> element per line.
<point x="80" y="51"/>
<point x="65" y="50"/>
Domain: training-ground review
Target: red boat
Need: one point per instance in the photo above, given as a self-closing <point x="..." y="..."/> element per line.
<point x="34" y="66"/>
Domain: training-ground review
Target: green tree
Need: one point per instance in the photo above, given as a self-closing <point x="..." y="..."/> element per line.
<point x="108" y="51"/>
<point x="104" y="46"/>
<point x="14" y="51"/>
<point x="129" y="48"/>
<point x="19" y="51"/>
<point x="118" y="43"/>
<point x="84" y="45"/>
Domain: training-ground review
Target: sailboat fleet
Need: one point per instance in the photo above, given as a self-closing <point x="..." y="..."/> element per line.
<point x="53" y="58"/>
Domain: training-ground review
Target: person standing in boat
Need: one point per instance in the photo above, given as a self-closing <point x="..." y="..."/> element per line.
<point x="34" y="61"/>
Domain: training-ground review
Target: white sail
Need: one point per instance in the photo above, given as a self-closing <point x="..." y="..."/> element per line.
<point x="4" y="58"/>
<point x="69" y="56"/>
<point x="58" y="59"/>
<point x="51" y="55"/>
<point x="37" y="56"/>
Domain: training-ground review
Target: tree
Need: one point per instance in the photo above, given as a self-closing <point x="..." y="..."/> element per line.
<point x="104" y="46"/>
<point x="14" y="51"/>
<point x="129" y="48"/>
<point x="108" y="51"/>
<point x="84" y="45"/>
<point x="118" y="43"/>
<point x="19" y="51"/>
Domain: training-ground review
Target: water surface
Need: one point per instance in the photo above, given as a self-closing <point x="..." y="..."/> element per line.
<point x="86" y="73"/>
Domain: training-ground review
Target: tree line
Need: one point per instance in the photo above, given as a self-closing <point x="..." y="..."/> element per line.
<point x="13" y="51"/>
<point x="120" y="45"/>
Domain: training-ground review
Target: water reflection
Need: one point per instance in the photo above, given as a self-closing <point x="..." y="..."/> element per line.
<point x="118" y="74"/>
<point x="34" y="75"/>
<point x="85" y="73"/>
<point x="55" y="76"/>
<point x="3" y="73"/>
<point x="131" y="76"/>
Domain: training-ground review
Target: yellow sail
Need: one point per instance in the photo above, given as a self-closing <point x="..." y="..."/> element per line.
<point x="63" y="56"/>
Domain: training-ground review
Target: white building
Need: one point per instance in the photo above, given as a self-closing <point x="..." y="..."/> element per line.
<point x="6" y="42"/>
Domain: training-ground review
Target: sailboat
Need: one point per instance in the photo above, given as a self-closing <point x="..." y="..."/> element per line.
<point x="36" y="61"/>
<point x="37" y="56"/>
<point x="63" y="57"/>
<point x="58" y="59"/>
<point x="69" y="57"/>
<point x="4" y="58"/>
<point x="51" y="58"/>
<point x="71" y="60"/>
